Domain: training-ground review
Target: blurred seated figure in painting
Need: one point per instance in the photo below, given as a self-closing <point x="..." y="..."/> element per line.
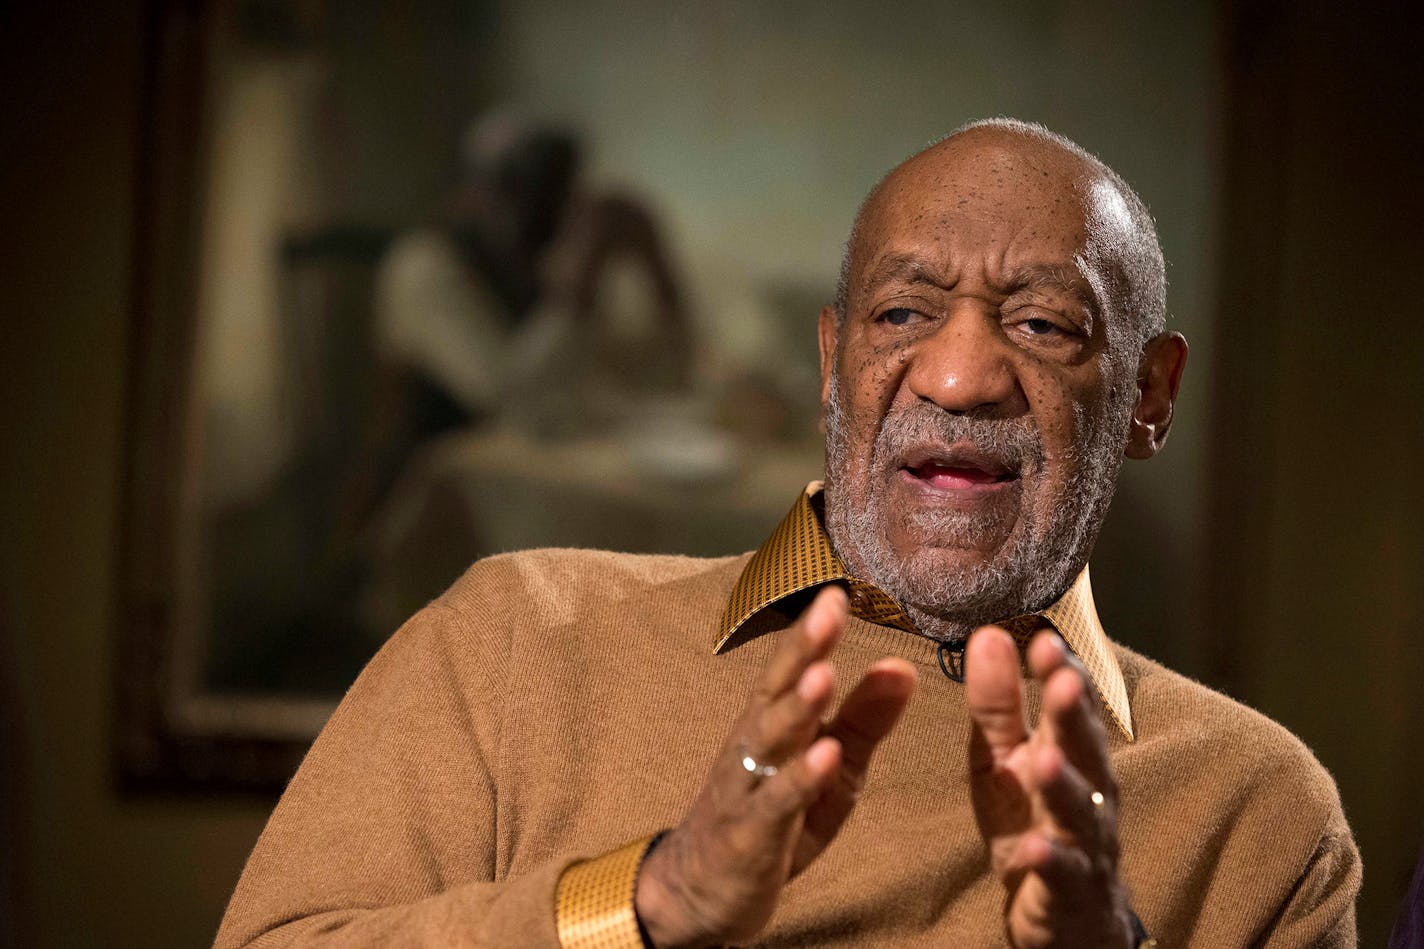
<point x="538" y="319"/>
<point x="478" y="315"/>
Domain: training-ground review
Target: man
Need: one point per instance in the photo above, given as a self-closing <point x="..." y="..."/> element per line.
<point x="996" y="348"/>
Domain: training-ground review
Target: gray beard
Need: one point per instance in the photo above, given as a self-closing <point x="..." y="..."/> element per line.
<point x="1046" y="541"/>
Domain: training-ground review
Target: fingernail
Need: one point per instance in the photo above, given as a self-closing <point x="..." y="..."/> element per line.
<point x="822" y="753"/>
<point x="816" y="627"/>
<point x="810" y="683"/>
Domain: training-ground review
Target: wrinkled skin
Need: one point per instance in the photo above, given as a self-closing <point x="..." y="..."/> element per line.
<point x="979" y="322"/>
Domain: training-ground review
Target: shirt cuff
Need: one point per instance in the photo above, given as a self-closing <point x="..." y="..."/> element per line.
<point x="593" y="905"/>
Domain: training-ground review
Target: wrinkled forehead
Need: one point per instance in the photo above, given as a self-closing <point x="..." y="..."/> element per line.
<point x="997" y="193"/>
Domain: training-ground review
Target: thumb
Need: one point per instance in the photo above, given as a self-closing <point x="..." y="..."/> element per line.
<point x="993" y="690"/>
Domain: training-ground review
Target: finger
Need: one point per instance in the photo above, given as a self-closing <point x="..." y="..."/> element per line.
<point x="776" y="732"/>
<point x="810" y="638"/>
<point x="1068" y="799"/>
<point x="870" y="711"/>
<point x="1058" y="889"/>
<point x="1068" y="870"/>
<point x="1047" y="656"/>
<point x="1031" y="850"/>
<point x="1047" y="653"/>
<point x="1076" y="880"/>
<point x="994" y="694"/>
<point x="1071" y="721"/>
<point x="784" y="797"/>
<point x="866" y="716"/>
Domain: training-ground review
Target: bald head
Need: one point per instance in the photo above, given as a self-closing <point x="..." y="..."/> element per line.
<point x="1122" y="240"/>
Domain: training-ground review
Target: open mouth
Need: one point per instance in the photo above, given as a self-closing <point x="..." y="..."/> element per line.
<point x="958" y="468"/>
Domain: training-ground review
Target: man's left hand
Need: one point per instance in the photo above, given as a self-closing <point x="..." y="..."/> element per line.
<point x="1045" y="799"/>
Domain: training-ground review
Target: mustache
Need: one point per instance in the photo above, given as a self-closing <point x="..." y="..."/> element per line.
<point x="1013" y="442"/>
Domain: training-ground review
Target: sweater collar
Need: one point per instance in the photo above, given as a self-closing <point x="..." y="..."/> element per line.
<point x="797" y="557"/>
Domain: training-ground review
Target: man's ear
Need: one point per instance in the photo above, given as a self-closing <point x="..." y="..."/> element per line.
<point x="1158" y="375"/>
<point x="827" y="331"/>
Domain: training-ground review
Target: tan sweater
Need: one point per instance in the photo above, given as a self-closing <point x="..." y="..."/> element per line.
<point x="555" y="704"/>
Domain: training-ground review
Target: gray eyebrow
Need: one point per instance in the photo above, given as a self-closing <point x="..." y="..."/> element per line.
<point x="1054" y="278"/>
<point x="905" y="268"/>
<point x="908" y="268"/>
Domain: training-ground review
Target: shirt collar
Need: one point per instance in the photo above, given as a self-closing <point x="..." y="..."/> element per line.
<point x="798" y="557"/>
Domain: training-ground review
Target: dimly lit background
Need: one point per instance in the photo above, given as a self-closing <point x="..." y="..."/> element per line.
<point x="1275" y="551"/>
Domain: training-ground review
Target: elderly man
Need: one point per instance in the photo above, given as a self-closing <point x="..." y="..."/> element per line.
<point x="593" y="749"/>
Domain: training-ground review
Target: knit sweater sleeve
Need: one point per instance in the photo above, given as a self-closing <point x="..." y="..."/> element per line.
<point x="387" y="834"/>
<point x="1321" y="908"/>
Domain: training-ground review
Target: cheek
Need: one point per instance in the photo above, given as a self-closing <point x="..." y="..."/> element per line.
<point x="870" y="379"/>
<point x="1053" y="399"/>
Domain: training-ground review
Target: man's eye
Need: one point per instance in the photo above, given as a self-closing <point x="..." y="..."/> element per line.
<point x="1040" y="327"/>
<point x="899" y="316"/>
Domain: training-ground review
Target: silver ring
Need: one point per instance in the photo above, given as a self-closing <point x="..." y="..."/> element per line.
<point x="754" y="767"/>
<point x="1099" y="802"/>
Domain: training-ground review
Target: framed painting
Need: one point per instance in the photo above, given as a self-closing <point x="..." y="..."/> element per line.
<point x="340" y="398"/>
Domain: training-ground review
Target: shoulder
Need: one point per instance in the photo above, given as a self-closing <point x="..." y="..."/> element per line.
<point x="559" y="584"/>
<point x="1244" y="817"/>
<point x="1243" y="754"/>
<point x="560" y="608"/>
<point x="577" y="620"/>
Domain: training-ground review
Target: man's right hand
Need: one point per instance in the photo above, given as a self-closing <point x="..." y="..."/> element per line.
<point x="716" y="877"/>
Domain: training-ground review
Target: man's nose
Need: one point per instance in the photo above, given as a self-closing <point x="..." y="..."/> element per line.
<point x="966" y="366"/>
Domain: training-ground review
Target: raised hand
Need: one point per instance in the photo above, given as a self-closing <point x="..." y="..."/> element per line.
<point x="1045" y="800"/>
<point x="778" y="793"/>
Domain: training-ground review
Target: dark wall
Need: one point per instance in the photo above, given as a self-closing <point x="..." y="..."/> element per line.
<point x="84" y="867"/>
<point x="1318" y="436"/>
